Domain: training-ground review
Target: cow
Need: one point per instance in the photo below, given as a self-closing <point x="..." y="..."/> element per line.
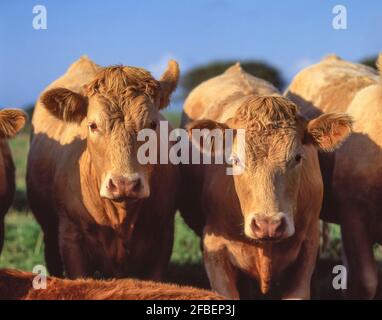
<point x="264" y="222"/>
<point x="101" y="209"/>
<point x="11" y="122"/>
<point x="21" y="285"/>
<point x="352" y="174"/>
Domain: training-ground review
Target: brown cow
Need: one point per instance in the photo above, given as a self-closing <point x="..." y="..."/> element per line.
<point x="352" y="178"/>
<point x="263" y="222"/>
<point x="100" y="209"/>
<point x="11" y="122"/>
<point x="18" y="285"/>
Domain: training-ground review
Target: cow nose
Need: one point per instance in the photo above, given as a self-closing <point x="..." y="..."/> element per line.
<point x="266" y="228"/>
<point x="123" y="187"/>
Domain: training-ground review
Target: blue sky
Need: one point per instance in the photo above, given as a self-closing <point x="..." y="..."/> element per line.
<point x="288" y="34"/>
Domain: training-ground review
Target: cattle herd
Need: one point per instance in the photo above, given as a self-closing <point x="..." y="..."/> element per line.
<point x="313" y="152"/>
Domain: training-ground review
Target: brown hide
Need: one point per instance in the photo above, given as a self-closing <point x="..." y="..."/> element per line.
<point x="7" y="184"/>
<point x="11" y="122"/>
<point x="17" y="285"/>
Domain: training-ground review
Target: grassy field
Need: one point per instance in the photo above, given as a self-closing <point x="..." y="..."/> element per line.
<point x="23" y="248"/>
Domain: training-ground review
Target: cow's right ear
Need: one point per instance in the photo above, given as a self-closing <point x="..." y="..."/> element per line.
<point x="168" y="82"/>
<point x="329" y="131"/>
<point x="11" y="122"/>
<point x="65" y="104"/>
<point x="208" y="135"/>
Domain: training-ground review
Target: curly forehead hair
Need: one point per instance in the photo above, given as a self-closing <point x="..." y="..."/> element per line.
<point x="268" y="113"/>
<point x="269" y="121"/>
<point x="121" y="83"/>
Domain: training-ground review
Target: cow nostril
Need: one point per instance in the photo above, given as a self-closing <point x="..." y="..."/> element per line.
<point x="111" y="185"/>
<point x="280" y="227"/>
<point x="137" y="185"/>
<point x="255" y="226"/>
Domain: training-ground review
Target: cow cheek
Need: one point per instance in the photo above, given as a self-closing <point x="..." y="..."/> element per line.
<point x="291" y="192"/>
<point x="243" y="188"/>
<point x="100" y="155"/>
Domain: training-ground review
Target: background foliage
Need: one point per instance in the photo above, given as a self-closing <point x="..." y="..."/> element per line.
<point x="257" y="68"/>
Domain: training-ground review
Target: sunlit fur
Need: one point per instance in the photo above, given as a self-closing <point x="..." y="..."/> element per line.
<point x="79" y="165"/>
<point x="11" y="122"/>
<point x="269" y="185"/>
<point x="352" y="177"/>
<point x="281" y="181"/>
<point x="121" y="103"/>
<point x="119" y="84"/>
<point x="18" y="285"/>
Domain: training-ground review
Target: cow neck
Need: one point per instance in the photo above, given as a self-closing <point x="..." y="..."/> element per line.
<point x="117" y="215"/>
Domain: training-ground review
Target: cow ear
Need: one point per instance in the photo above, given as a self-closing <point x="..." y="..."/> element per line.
<point x="168" y="83"/>
<point x="329" y="131"/>
<point x="65" y="104"/>
<point x="11" y="122"/>
<point x="207" y="134"/>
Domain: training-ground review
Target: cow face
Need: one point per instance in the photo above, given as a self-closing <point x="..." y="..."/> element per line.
<point x="115" y="106"/>
<point x="11" y="122"/>
<point x="275" y="140"/>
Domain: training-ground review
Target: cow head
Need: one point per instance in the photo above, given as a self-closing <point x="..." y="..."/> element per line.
<point x="115" y="106"/>
<point x="11" y="122"/>
<point x="275" y="137"/>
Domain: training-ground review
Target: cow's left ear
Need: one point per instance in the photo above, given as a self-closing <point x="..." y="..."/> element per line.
<point x="65" y="104"/>
<point x="207" y="130"/>
<point x="168" y="83"/>
<point x="329" y="130"/>
<point x="11" y="122"/>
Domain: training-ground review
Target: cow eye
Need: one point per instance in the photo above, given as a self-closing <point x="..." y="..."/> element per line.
<point x="93" y="126"/>
<point x="235" y="160"/>
<point x="153" y="125"/>
<point x="298" y="158"/>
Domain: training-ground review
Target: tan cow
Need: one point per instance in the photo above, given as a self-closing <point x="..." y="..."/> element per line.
<point x="18" y="285"/>
<point x="100" y="209"/>
<point x="353" y="176"/>
<point x="263" y="222"/>
<point x="11" y="122"/>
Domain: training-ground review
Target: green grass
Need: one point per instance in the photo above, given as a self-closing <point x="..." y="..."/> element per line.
<point x="173" y="118"/>
<point x="23" y="247"/>
<point x="20" y="146"/>
<point x="186" y="244"/>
